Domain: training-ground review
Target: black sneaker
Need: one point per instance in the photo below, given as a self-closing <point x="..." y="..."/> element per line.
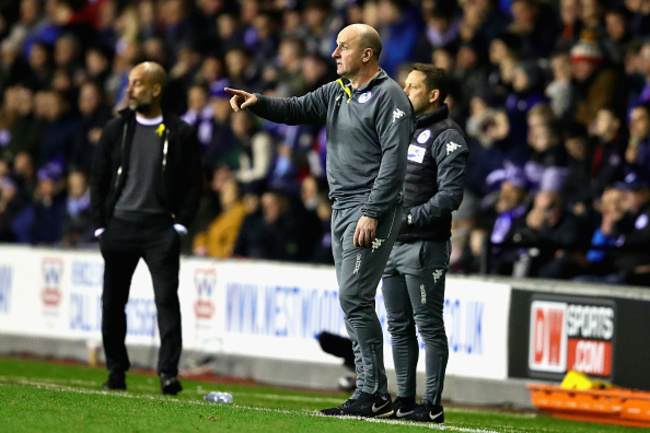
<point x="116" y="381"/>
<point x="403" y="407"/>
<point x="427" y="412"/>
<point x="339" y="409"/>
<point x="169" y="384"/>
<point x="370" y="406"/>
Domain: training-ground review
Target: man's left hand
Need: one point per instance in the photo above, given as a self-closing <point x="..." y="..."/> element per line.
<point x="365" y="232"/>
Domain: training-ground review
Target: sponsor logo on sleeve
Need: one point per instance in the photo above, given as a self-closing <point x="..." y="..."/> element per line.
<point x="398" y="114"/>
<point x="416" y="153"/>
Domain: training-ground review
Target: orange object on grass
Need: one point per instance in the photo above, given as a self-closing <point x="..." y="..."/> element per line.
<point x="611" y="406"/>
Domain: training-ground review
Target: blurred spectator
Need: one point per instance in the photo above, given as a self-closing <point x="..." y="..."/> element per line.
<point x="220" y="237"/>
<point x="199" y="114"/>
<point x="546" y="165"/>
<point x="490" y="20"/>
<point x="290" y="79"/>
<point x="502" y="49"/>
<point x="641" y="16"/>
<point x="442" y="27"/>
<point x="223" y="147"/>
<point x="60" y="129"/>
<point x="617" y="21"/>
<point x="553" y="233"/>
<point x="469" y="71"/>
<point x="49" y="204"/>
<point x="14" y="69"/>
<point x="25" y="174"/>
<point x="491" y="146"/>
<point x="78" y="228"/>
<point x="607" y="150"/>
<point x="576" y="143"/>
<point x="510" y="210"/>
<point x="570" y="23"/>
<point x="67" y="54"/>
<point x="31" y="21"/>
<point x="322" y="27"/>
<point x="256" y="157"/>
<point x="597" y="265"/>
<point x="242" y="71"/>
<point x="535" y="23"/>
<point x="399" y="26"/>
<point x="176" y="27"/>
<point x="560" y="91"/>
<point x="637" y="152"/>
<point x="228" y="31"/>
<point x="16" y="213"/>
<point x="595" y="84"/>
<point x="261" y="37"/>
<point x="592" y="14"/>
<point x="94" y="115"/>
<point x="633" y="230"/>
<point x="40" y="63"/>
<point x="98" y="64"/>
<point x="643" y="68"/>
<point x="271" y="233"/>
<point x="526" y="92"/>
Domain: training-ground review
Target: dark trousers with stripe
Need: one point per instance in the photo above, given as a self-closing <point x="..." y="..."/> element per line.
<point x="358" y="271"/>
<point x="414" y="295"/>
<point x="123" y="244"/>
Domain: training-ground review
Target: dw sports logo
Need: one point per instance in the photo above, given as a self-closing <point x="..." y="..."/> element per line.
<point x="568" y="336"/>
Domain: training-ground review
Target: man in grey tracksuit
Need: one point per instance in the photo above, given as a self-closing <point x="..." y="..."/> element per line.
<point x="414" y="278"/>
<point x="369" y="122"/>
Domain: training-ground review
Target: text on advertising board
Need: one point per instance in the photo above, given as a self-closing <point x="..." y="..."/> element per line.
<point x="464" y="325"/>
<point x="6" y="274"/>
<point x="568" y="336"/>
<point x="281" y="311"/>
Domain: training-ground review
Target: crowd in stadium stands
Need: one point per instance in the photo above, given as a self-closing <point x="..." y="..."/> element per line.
<point x="554" y="96"/>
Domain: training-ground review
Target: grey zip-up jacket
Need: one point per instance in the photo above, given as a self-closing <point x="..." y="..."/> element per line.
<point x="368" y="133"/>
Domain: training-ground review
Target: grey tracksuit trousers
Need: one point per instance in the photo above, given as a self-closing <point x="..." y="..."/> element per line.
<point x="358" y="271"/>
<point x="414" y="294"/>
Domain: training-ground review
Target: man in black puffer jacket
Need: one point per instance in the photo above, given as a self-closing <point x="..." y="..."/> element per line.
<point x="145" y="187"/>
<point x="414" y="278"/>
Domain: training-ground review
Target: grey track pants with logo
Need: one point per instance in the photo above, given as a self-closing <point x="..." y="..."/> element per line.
<point x="414" y="294"/>
<point x="358" y="271"/>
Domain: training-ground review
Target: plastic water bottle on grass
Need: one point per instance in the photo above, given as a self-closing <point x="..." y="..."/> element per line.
<point x="219" y="397"/>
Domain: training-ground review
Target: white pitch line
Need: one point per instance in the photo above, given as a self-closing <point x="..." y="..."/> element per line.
<point x="6" y="381"/>
<point x="297" y="398"/>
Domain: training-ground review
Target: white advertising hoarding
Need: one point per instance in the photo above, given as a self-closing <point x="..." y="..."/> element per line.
<point x="248" y="308"/>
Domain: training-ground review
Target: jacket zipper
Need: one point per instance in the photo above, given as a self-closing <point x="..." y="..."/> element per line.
<point x="120" y="168"/>
<point x="165" y="151"/>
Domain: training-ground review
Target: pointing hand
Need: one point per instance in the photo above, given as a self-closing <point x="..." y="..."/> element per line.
<point x="240" y="99"/>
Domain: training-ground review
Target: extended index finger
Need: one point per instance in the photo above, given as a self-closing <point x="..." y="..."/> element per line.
<point x="234" y="91"/>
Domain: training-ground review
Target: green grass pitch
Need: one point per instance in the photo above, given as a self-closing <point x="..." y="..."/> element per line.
<point x="37" y="396"/>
